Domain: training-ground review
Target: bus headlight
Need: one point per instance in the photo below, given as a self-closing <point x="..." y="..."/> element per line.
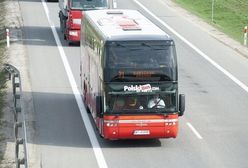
<point x="76" y="21"/>
<point x="171" y="122"/>
<point x="111" y="123"/>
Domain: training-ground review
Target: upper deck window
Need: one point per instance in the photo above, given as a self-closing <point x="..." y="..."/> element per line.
<point x="140" y="61"/>
<point x="140" y="54"/>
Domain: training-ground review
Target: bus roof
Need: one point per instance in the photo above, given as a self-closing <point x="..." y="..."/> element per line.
<point x="123" y="24"/>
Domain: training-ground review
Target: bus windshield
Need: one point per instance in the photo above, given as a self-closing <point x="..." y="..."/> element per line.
<point x="141" y="98"/>
<point x="156" y="58"/>
<point x="88" y="4"/>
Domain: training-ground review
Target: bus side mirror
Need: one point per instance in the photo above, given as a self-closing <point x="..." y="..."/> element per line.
<point x="99" y="111"/>
<point x="181" y="104"/>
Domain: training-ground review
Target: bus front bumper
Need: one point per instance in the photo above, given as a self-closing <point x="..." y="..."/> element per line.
<point x="140" y="132"/>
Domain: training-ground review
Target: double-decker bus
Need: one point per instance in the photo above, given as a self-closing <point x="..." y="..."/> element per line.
<point x="129" y="76"/>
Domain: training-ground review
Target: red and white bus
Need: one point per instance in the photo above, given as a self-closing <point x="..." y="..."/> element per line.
<point x="129" y="76"/>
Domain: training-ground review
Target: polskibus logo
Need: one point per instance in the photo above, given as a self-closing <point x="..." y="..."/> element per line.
<point x="140" y="88"/>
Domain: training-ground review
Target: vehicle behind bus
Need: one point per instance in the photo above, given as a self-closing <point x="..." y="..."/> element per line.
<point x="71" y="12"/>
<point x="129" y="76"/>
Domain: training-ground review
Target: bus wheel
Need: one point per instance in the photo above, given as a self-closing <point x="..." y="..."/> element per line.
<point x="87" y="109"/>
<point x="84" y="91"/>
<point x="101" y="136"/>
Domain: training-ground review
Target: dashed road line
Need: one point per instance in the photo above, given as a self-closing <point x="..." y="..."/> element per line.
<point x="194" y="131"/>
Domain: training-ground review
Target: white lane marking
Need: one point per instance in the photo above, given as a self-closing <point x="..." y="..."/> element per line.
<point x="194" y="131"/>
<point x="94" y="142"/>
<point x="228" y="74"/>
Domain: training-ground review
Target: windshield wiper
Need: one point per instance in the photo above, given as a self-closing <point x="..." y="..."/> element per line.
<point x="144" y="44"/>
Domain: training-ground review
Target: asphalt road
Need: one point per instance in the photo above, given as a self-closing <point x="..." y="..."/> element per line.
<point x="216" y="105"/>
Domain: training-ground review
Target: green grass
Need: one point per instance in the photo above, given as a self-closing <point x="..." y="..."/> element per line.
<point x="230" y="16"/>
<point x="2" y="48"/>
<point x="2" y="79"/>
<point x="2" y="76"/>
<point x="2" y="93"/>
<point x="1" y="158"/>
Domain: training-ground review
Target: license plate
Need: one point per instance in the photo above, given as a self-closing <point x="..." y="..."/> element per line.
<point x="141" y="132"/>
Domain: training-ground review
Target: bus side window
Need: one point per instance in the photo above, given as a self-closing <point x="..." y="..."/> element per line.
<point x="112" y="58"/>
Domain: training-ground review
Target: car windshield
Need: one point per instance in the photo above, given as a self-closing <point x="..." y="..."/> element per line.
<point x="88" y="4"/>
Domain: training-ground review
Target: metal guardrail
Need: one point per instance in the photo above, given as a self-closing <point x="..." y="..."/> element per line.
<point x="19" y="117"/>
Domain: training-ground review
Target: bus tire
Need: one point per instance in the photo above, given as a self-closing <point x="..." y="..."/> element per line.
<point x="87" y="109"/>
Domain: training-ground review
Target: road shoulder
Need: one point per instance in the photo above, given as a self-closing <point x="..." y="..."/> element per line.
<point x="16" y="55"/>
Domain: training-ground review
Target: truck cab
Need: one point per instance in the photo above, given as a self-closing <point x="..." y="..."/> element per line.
<point x="71" y="12"/>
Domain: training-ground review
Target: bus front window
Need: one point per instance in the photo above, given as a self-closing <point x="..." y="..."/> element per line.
<point x="148" y="103"/>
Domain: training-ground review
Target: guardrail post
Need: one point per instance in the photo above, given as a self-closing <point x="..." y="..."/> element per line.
<point x="7" y="37"/>
<point x="20" y="162"/>
<point x="16" y="126"/>
<point x="15" y="82"/>
<point x="18" y="142"/>
<point x="245" y="35"/>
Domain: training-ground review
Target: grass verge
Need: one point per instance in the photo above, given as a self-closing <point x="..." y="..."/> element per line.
<point x="2" y="87"/>
<point x="2" y="79"/>
<point x="229" y="16"/>
<point x="2" y="94"/>
<point x="2" y="76"/>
